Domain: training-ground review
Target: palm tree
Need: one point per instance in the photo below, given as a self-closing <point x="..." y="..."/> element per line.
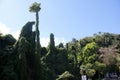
<point x="35" y="7"/>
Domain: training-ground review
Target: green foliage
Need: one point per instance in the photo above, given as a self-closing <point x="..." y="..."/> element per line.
<point x="61" y="45"/>
<point x="87" y="70"/>
<point x="27" y="61"/>
<point x="100" y="67"/>
<point x="62" y="59"/>
<point x="90" y="49"/>
<point x="70" y="62"/>
<point x="89" y="66"/>
<point x="6" y="40"/>
<point x="52" y="43"/>
<point x="26" y="30"/>
<point x="89" y="53"/>
<point x="92" y="58"/>
<point x="90" y="73"/>
<point x="11" y="40"/>
<point x="104" y="39"/>
<point x="35" y="7"/>
<point x="56" y="62"/>
<point x="22" y="64"/>
<point x="7" y="71"/>
<point x="43" y="51"/>
<point x="84" y="56"/>
<point x="66" y="76"/>
<point x="85" y="41"/>
<point x="79" y="58"/>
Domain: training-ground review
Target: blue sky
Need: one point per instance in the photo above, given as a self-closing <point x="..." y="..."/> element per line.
<point x="66" y="19"/>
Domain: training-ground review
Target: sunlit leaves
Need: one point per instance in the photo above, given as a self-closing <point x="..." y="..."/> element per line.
<point x="90" y="73"/>
<point x="35" y="7"/>
<point x="90" y="49"/>
<point x="66" y="76"/>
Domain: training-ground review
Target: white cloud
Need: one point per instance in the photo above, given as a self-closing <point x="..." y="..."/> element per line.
<point x="16" y="34"/>
<point x="4" y="29"/>
<point x="45" y="41"/>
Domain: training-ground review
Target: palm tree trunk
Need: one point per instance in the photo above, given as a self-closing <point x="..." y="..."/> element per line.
<point x="37" y="61"/>
<point x="37" y="33"/>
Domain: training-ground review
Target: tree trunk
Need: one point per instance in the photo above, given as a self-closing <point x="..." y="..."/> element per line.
<point x="37" y="34"/>
<point x="37" y="51"/>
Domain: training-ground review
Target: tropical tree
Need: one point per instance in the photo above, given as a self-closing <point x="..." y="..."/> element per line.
<point x="90" y="52"/>
<point x="35" y="7"/>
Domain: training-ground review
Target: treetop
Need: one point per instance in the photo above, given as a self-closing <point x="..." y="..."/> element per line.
<point x="35" y="7"/>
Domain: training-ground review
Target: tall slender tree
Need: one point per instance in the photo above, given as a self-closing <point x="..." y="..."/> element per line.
<point x="52" y="43"/>
<point x="35" y="7"/>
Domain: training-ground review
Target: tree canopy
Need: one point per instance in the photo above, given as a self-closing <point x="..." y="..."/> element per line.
<point x="35" y="7"/>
